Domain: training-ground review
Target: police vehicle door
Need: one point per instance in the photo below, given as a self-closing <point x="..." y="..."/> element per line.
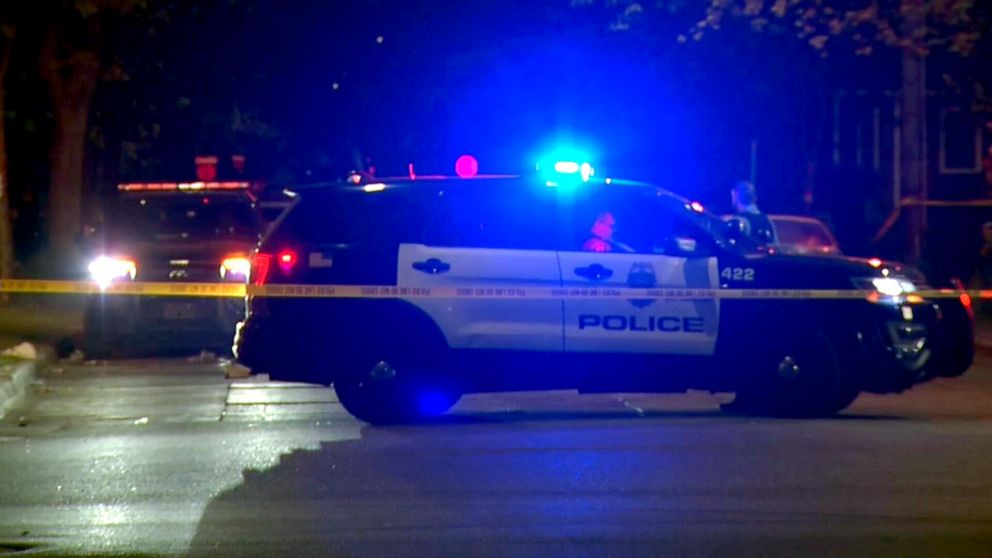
<point x="489" y="244"/>
<point x="653" y="242"/>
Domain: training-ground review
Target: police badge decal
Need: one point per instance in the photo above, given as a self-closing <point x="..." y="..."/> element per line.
<point x="641" y="276"/>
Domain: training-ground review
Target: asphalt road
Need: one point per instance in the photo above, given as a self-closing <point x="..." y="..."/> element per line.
<point x="166" y="457"/>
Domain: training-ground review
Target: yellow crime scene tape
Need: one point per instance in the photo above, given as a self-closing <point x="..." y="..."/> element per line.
<point x="239" y="290"/>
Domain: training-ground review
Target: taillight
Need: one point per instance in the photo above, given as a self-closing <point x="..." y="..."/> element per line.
<point x="260" y="267"/>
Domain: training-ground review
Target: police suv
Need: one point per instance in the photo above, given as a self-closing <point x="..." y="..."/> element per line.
<point x="399" y="358"/>
<point x="170" y="232"/>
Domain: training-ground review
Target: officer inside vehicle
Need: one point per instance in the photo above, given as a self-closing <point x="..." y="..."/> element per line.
<point x="755" y="223"/>
<point x="602" y="239"/>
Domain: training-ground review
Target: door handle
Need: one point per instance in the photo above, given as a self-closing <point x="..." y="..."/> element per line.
<point x="432" y="266"/>
<point x="594" y="272"/>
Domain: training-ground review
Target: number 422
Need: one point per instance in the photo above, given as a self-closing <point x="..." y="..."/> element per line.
<point x="737" y="273"/>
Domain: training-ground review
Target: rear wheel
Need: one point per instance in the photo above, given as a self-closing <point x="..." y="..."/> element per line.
<point x="393" y="389"/>
<point x="801" y="377"/>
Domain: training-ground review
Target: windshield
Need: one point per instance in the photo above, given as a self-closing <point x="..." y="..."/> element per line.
<point x="802" y="233"/>
<point x="183" y="218"/>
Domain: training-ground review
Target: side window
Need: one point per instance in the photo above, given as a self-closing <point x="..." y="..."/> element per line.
<point x="354" y="218"/>
<point x="635" y="223"/>
<point x="489" y="220"/>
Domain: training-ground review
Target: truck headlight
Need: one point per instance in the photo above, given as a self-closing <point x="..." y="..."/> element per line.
<point x="235" y="268"/>
<point x="105" y="270"/>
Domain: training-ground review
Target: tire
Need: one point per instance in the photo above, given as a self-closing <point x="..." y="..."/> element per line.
<point x="389" y="386"/>
<point x="803" y="376"/>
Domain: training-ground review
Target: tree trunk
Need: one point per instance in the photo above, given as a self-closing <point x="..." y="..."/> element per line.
<point x="913" y="148"/>
<point x="6" y="236"/>
<point x="66" y="194"/>
<point x="72" y="79"/>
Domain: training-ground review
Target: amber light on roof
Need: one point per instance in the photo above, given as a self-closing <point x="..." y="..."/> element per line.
<point x="180" y="186"/>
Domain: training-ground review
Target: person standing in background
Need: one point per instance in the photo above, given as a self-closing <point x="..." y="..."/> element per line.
<point x="744" y="198"/>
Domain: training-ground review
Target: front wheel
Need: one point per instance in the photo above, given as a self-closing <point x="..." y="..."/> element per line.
<point x="801" y="377"/>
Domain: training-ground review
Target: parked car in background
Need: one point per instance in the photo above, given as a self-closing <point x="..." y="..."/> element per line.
<point x="201" y="232"/>
<point x="796" y="234"/>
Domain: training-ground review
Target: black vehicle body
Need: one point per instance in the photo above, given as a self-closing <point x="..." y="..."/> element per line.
<point x="879" y="346"/>
<point x="171" y="237"/>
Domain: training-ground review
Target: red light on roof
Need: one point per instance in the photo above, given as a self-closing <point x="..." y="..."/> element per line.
<point x="206" y="167"/>
<point x="466" y="166"/>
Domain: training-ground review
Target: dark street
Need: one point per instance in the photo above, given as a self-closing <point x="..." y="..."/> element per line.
<point x="166" y="457"/>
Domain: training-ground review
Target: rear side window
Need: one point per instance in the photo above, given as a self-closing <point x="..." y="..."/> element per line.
<point x="634" y="222"/>
<point x="351" y="217"/>
<point x="490" y="218"/>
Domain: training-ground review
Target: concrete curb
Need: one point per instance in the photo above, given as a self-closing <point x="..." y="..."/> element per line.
<point x="14" y="381"/>
<point x="15" y="378"/>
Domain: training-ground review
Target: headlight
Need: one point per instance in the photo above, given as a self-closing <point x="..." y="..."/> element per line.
<point x="235" y="268"/>
<point x="105" y="270"/>
<point x="891" y="286"/>
<point x="887" y="286"/>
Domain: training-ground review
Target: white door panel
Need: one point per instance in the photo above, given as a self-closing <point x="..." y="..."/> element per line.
<point x="640" y="326"/>
<point x="521" y="324"/>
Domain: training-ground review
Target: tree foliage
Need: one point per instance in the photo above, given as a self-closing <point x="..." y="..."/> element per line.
<point x="920" y="26"/>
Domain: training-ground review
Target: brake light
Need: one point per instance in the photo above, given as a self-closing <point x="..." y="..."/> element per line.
<point x="260" y="268"/>
<point x="287" y="259"/>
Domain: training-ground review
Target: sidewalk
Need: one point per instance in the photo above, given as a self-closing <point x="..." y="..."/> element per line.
<point x="42" y="322"/>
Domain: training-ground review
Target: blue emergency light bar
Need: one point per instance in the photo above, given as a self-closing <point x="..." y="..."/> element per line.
<point x="568" y="171"/>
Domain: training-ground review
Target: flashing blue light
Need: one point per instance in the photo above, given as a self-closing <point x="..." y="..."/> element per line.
<point x="566" y="172"/>
<point x="586" y="171"/>
<point x="566" y="162"/>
